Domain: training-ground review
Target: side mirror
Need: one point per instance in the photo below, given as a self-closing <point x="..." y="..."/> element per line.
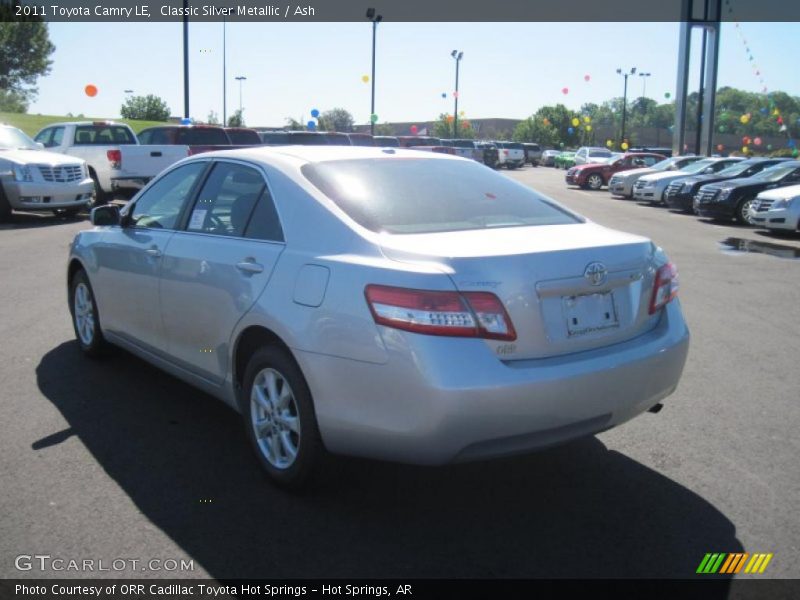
<point x="709" y="170"/>
<point x="103" y="216"/>
<point x="39" y="146"/>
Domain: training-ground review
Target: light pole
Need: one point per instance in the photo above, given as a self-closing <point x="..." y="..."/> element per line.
<point x="240" y="79"/>
<point x="644" y="77"/>
<point x="457" y="56"/>
<point x="375" y="20"/>
<point x="625" y="99"/>
<point x="224" y="74"/>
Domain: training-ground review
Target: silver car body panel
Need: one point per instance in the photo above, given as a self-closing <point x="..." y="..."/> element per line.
<point x="378" y="391"/>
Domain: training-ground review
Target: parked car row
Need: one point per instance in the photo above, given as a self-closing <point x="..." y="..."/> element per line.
<point x="759" y="191"/>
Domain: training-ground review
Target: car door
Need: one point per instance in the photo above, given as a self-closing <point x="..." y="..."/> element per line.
<point x="130" y="257"/>
<point x="216" y="267"/>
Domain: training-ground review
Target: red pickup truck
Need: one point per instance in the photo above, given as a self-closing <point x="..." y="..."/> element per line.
<point x="596" y="175"/>
<point x="199" y="138"/>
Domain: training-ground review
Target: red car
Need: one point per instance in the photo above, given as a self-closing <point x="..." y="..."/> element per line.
<point x="596" y="175"/>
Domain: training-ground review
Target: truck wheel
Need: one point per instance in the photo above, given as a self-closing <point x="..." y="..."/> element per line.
<point x="99" y="197"/>
<point x="5" y="206"/>
<point x="594" y="181"/>
<point x="279" y="419"/>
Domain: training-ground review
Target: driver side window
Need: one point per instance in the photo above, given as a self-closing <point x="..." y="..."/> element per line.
<point x="160" y="206"/>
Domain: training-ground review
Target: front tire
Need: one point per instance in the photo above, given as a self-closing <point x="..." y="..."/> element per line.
<point x="594" y="182"/>
<point x="742" y="215"/>
<point x="280" y="422"/>
<point x="85" y="317"/>
<point x="5" y="206"/>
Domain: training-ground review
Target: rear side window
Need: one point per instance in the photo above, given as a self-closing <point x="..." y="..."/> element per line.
<point x="201" y="136"/>
<point x="227" y="199"/>
<point x="307" y="139"/>
<point x="274" y="137"/>
<point x="103" y="135"/>
<point x="403" y="196"/>
<point x="244" y="137"/>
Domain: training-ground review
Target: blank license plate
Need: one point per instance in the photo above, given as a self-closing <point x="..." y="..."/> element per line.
<point x="590" y="312"/>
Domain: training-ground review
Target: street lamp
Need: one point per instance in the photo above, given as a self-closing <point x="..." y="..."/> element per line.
<point x="625" y="98"/>
<point x="128" y="91"/>
<point x="375" y="20"/>
<point x="240" y="79"/>
<point x="644" y="77"/>
<point x="457" y="56"/>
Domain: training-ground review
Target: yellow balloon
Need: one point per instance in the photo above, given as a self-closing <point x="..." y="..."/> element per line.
<point x="576" y="121"/>
<point x="365" y="78"/>
<point x="745" y="149"/>
<point x="624" y="145"/>
<point x="744" y="118"/>
<point x="461" y="113"/>
<point x="587" y="119"/>
<point x="609" y="143"/>
<point x="588" y="128"/>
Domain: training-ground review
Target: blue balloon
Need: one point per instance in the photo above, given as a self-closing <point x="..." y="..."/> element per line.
<point x="186" y="121"/>
<point x="314" y="113"/>
<point x="444" y="94"/>
<point x="764" y="111"/>
<point x="570" y="130"/>
<point x="311" y="124"/>
<point x="792" y="143"/>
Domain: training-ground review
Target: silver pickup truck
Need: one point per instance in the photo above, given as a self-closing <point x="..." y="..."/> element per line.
<point x="117" y="162"/>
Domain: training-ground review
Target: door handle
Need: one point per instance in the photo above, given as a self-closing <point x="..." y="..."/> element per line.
<point x="154" y="252"/>
<point x="248" y="266"/>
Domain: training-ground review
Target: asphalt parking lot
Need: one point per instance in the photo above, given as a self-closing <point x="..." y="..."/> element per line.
<point x="114" y="459"/>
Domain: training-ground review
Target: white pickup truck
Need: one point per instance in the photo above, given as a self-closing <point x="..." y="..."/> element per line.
<point x="116" y="160"/>
<point x="511" y="155"/>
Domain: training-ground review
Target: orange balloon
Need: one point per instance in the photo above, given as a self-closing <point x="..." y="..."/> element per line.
<point x="90" y="90"/>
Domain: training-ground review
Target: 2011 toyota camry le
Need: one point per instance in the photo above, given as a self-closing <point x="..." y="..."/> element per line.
<point x="383" y="303"/>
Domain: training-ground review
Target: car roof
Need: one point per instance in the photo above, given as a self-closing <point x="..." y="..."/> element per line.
<point x="314" y="154"/>
<point x="105" y="122"/>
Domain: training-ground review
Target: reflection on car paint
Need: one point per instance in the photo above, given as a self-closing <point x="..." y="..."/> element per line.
<point x="737" y="245"/>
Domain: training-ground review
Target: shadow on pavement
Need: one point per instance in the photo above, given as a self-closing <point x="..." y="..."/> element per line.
<point x="580" y="510"/>
<point x="30" y="220"/>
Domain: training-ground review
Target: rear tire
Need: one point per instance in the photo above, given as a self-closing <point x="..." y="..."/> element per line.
<point x="99" y="197"/>
<point x="85" y="317"/>
<point x="280" y="421"/>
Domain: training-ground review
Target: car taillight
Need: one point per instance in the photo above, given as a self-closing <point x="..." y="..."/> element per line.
<point x="505" y="152"/>
<point x="665" y="288"/>
<point x="464" y="314"/>
<point x="115" y="158"/>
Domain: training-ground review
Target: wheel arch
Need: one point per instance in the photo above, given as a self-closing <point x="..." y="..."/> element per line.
<point x="247" y="343"/>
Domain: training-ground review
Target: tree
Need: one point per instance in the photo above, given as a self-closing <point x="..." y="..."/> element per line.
<point x="212" y="118"/>
<point x="294" y="124"/>
<point x="236" y="119"/>
<point x="145" y="108"/>
<point x="25" y="50"/>
<point x="336" y="119"/>
<point x="11" y="101"/>
<point x="383" y="129"/>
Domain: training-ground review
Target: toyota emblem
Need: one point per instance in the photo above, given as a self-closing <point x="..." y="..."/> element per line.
<point x="596" y="273"/>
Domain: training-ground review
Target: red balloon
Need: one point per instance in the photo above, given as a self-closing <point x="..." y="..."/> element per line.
<point x="565" y="91"/>
<point x="414" y="129"/>
<point x="90" y="90"/>
<point x="720" y="147"/>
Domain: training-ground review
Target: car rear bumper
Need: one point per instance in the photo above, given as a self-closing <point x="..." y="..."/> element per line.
<point x="784" y="219"/>
<point x="48" y="196"/>
<point x="129" y="183"/>
<point x="439" y="400"/>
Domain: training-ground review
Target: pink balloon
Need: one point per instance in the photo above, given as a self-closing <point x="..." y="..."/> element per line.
<point x="586" y="77"/>
<point x="414" y="129"/>
<point x="757" y="141"/>
<point x="565" y="91"/>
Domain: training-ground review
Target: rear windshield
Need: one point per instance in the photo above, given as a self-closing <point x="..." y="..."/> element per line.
<point x="244" y="137"/>
<point x="422" y="195"/>
<point x="601" y="153"/>
<point x="100" y="135"/>
<point x="514" y="146"/>
<point x="361" y="140"/>
<point x="463" y="143"/>
<point x="201" y="136"/>
<point x="387" y="141"/>
<point x="307" y="138"/>
<point x="274" y="137"/>
<point x="420" y="141"/>
<point x="337" y="139"/>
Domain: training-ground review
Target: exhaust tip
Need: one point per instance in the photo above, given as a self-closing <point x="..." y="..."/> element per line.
<point x="655" y="408"/>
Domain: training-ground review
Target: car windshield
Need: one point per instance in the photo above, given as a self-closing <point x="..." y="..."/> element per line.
<point x="599" y="153"/>
<point x="12" y="138"/>
<point x="698" y="166"/>
<point x="774" y="173"/>
<point x="735" y="169"/>
<point x="404" y="196"/>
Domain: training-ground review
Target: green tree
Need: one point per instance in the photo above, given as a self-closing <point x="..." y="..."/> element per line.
<point x="236" y="119"/>
<point x="336" y="119"/>
<point x="212" y="118"/>
<point x="145" y="108"/>
<point x="13" y="102"/>
<point x="383" y="129"/>
<point x="294" y="125"/>
<point x="25" y="50"/>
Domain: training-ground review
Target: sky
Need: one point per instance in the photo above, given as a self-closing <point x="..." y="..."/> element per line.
<point x="508" y="70"/>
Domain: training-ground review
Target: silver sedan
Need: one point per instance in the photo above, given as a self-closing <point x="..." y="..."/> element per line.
<point x="384" y="303"/>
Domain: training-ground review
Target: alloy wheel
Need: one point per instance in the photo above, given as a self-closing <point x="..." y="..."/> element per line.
<point x="84" y="314"/>
<point x="275" y="419"/>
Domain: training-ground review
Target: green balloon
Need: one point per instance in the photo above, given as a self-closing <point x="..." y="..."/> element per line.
<point x="373" y="118"/>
